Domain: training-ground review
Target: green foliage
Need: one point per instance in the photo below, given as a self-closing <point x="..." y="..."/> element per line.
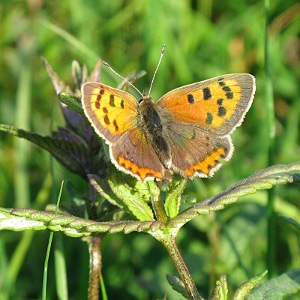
<point x="281" y="287"/>
<point x="177" y="285"/>
<point x="24" y="219"/>
<point x="203" y="39"/>
<point x="247" y="287"/>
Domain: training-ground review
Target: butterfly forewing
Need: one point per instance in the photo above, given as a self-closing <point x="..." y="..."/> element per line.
<point x="218" y="104"/>
<point x="111" y="111"/>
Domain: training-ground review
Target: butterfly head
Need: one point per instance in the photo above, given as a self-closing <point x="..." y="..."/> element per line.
<point x="143" y="94"/>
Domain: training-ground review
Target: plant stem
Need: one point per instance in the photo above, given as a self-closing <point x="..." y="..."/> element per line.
<point x="157" y="203"/>
<point x="159" y="209"/>
<point x="95" y="267"/>
<point x="168" y="240"/>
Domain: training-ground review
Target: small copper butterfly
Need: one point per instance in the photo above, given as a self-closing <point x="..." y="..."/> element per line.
<point x="187" y="131"/>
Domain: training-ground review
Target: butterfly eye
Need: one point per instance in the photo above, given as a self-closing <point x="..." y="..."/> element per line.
<point x="141" y="100"/>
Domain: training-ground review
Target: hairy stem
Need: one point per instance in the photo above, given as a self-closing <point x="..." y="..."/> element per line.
<point x="95" y="267"/>
<point x="169" y="242"/>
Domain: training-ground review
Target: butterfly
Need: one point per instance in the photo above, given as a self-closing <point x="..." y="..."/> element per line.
<point x="187" y="131"/>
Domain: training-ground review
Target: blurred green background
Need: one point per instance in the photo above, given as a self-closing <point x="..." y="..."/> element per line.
<point x="203" y="39"/>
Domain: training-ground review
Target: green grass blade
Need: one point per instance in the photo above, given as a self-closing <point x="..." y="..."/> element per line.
<point x="45" y="274"/>
<point x="60" y="269"/>
<point x="70" y="39"/>
<point x="22" y="147"/>
<point x="270" y="134"/>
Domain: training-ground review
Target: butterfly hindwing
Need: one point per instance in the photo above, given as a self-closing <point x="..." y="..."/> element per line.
<point x="134" y="155"/>
<point x="195" y="151"/>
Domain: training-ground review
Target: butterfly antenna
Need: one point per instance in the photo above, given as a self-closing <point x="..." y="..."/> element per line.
<point x="161" y="56"/>
<point x="115" y="72"/>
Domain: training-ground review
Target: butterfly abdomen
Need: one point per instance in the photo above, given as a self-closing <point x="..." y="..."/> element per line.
<point x="150" y="122"/>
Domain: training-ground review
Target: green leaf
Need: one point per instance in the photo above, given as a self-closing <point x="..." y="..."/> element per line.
<point x="173" y="199"/>
<point x="247" y="286"/>
<point x="292" y="222"/>
<point x="65" y="151"/>
<point x="188" y="199"/>
<point x="220" y="292"/>
<point x="71" y="101"/>
<point x="177" y="285"/>
<point x="24" y="219"/>
<point x="104" y="190"/>
<point x="79" y="73"/>
<point x="297" y="177"/>
<point x="132" y="193"/>
<point x="58" y="84"/>
<point x="264" y="179"/>
<point x="278" y="288"/>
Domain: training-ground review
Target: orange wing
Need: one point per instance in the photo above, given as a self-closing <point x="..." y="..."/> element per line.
<point x="111" y="111"/>
<point x="195" y="151"/>
<point x="133" y="154"/>
<point x="218" y="104"/>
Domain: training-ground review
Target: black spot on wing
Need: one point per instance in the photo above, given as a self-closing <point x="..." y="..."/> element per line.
<point x="112" y="101"/>
<point x="191" y="98"/>
<point x="122" y="103"/>
<point x="229" y="95"/>
<point x="106" y="120"/>
<point x="209" y="119"/>
<point x="206" y="93"/>
<point x="220" y="101"/>
<point x="97" y="102"/>
<point x="226" y="89"/>
<point x="116" y="125"/>
<point x="222" y="111"/>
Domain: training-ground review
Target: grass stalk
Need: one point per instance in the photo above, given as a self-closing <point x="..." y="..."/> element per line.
<point x="270" y="126"/>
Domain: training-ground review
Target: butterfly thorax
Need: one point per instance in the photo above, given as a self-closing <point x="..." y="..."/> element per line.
<point x="150" y="121"/>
